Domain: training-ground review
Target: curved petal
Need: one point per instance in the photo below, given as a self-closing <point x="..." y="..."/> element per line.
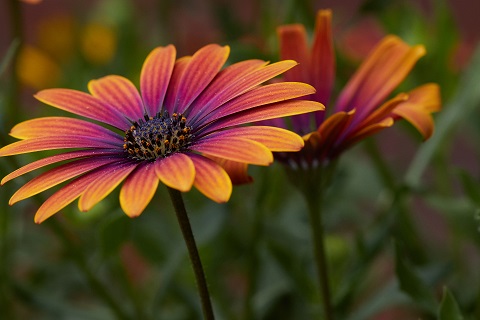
<point x="54" y="159"/>
<point x="275" y="110"/>
<point x="275" y="139"/>
<point x="366" y="132"/>
<point x="155" y="77"/>
<point x="52" y="143"/>
<point x="176" y="171"/>
<point x="138" y="189"/>
<point x="220" y="89"/>
<point x="83" y="104"/>
<point x="120" y="94"/>
<point x="61" y="126"/>
<point x="204" y="66"/>
<point x="104" y="185"/>
<point x="384" y="111"/>
<point x="421" y="120"/>
<point x="175" y="80"/>
<point x="237" y="171"/>
<point x="58" y="175"/>
<point x="70" y="192"/>
<point x="236" y="149"/>
<point x="267" y="94"/>
<point x="211" y="179"/>
<point x="293" y="46"/>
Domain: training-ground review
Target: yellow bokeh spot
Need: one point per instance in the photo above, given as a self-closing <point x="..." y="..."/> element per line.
<point x="98" y="43"/>
<point x="36" y="69"/>
<point x="56" y="35"/>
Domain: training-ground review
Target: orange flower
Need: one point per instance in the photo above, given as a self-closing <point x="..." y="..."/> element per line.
<point x="187" y="111"/>
<point x="360" y="110"/>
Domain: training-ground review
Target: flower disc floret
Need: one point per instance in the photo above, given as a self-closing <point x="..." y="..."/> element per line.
<point x="154" y="137"/>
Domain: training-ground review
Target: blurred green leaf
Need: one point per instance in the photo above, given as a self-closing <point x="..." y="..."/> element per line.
<point x="114" y="233"/>
<point x="413" y="285"/>
<point x="449" y="309"/>
<point x="470" y="186"/>
<point x="7" y="59"/>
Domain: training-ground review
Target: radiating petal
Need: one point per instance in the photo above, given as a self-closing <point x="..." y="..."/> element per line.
<point x="172" y="90"/>
<point x="54" y="159"/>
<point x="104" y="185"/>
<point x="293" y="46"/>
<point x="331" y="132"/>
<point x="176" y="171"/>
<point x="58" y="175"/>
<point x="61" y="126"/>
<point x="52" y="143"/>
<point x="237" y="171"/>
<point x="384" y="111"/>
<point x="204" y="66"/>
<point x="275" y="139"/>
<point x="420" y="119"/>
<point x="138" y="189"/>
<point x="70" y="192"/>
<point x="276" y="110"/>
<point x="267" y="94"/>
<point x="211" y="179"/>
<point x="120" y="94"/>
<point x="383" y="70"/>
<point x="83" y="104"/>
<point x="155" y="77"/>
<point x="244" y="84"/>
<point x="236" y="149"/>
<point x="367" y="132"/>
<point x="220" y="89"/>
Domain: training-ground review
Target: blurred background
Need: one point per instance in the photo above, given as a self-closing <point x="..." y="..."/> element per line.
<point x="402" y="216"/>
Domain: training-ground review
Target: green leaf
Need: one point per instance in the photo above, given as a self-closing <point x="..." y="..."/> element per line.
<point x="449" y="309"/>
<point x="414" y="286"/>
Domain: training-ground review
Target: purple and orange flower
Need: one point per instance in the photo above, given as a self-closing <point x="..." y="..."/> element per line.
<point x="188" y="112"/>
<point x="360" y="109"/>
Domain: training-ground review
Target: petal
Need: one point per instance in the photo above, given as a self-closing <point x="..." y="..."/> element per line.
<point x="237" y="171"/>
<point x="244" y="84"/>
<point x="61" y="126"/>
<point x="54" y="159"/>
<point x="172" y="90"/>
<point x="382" y="71"/>
<point x="176" y="171"/>
<point x="204" y="66"/>
<point x="52" y="143"/>
<point x="69" y="193"/>
<point x="120" y="94"/>
<point x="293" y="46"/>
<point x="104" y="185"/>
<point x="138" y="189"/>
<point x="275" y="139"/>
<point x="83" y="104"/>
<point x="421" y="120"/>
<point x="211" y="179"/>
<point x="236" y="149"/>
<point x="272" y="111"/>
<point x="332" y="131"/>
<point x="155" y="77"/>
<point x="224" y="86"/>
<point x="58" y="175"/>
<point x="367" y="132"/>
<point x="384" y="111"/>
<point x="260" y="96"/>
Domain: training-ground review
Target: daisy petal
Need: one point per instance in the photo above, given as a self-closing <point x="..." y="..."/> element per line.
<point x="236" y="149"/>
<point x="176" y="171"/>
<point x="54" y="159"/>
<point x="174" y="84"/>
<point x="211" y="179"/>
<point x="70" y="192"/>
<point x="155" y="77"/>
<point x="237" y="171"/>
<point x="367" y="132"/>
<point x="244" y="84"/>
<point x="293" y="46"/>
<point x="138" y="189"/>
<point x="52" y="143"/>
<point x="104" y="185"/>
<point x="120" y="94"/>
<point x="61" y="126"/>
<point x="276" y="110"/>
<point x="204" y="66"/>
<point x="384" y="111"/>
<point x="83" y="104"/>
<point x="260" y="96"/>
<point x="275" y="139"/>
<point x="58" y="175"/>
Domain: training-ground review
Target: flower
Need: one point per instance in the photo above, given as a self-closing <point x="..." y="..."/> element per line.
<point x="188" y="110"/>
<point x="360" y="109"/>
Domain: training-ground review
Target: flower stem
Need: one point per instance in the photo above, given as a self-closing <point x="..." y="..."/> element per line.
<point x="184" y="222"/>
<point x="318" y="237"/>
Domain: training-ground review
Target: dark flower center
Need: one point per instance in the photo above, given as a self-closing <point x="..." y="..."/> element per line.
<point x="159" y="136"/>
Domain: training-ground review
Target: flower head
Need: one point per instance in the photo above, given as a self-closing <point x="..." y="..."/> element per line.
<point x="188" y="111"/>
<point x="361" y="108"/>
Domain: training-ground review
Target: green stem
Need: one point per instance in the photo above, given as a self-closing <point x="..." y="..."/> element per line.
<point x="318" y="237"/>
<point x="184" y="223"/>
